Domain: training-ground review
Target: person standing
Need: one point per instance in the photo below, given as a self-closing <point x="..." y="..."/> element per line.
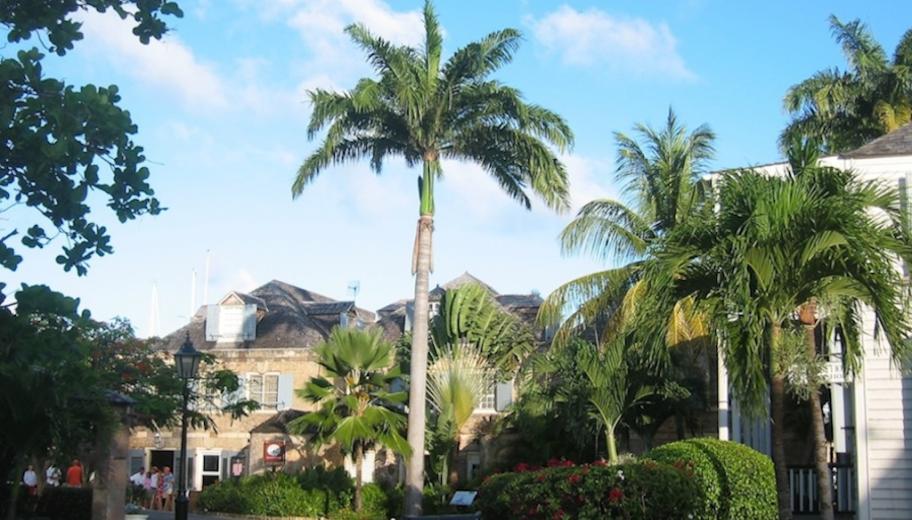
<point x="30" y="481"/>
<point x="52" y="476"/>
<point x="136" y="486"/>
<point x="74" y="474"/>
<point x="168" y="489"/>
<point x="157" y="482"/>
<point x="148" y="490"/>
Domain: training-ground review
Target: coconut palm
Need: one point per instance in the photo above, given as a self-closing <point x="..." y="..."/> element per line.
<point x="457" y="379"/>
<point x="661" y="176"/>
<point x="425" y="110"/>
<point x="844" y="109"/>
<point x="355" y="408"/>
<point x="776" y="245"/>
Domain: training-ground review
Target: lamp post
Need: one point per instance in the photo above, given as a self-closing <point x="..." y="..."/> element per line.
<point x="187" y="360"/>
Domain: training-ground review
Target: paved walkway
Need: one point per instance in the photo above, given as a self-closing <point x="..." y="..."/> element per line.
<point x="169" y="515"/>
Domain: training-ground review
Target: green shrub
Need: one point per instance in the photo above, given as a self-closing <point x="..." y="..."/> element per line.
<point x="64" y="503"/>
<point x="734" y="481"/>
<point x="647" y="490"/>
<point x="224" y="497"/>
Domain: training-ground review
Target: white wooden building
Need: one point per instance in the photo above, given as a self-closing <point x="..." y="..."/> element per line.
<point x="871" y="415"/>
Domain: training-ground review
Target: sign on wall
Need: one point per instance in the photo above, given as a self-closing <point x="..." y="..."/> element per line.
<point x="274" y="452"/>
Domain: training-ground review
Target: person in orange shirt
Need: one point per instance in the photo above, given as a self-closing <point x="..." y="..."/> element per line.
<point x="74" y="474"/>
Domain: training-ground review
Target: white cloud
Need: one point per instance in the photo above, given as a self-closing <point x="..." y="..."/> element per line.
<point x="483" y="198"/>
<point x="322" y="22"/>
<point x="593" y="37"/>
<point x="167" y="64"/>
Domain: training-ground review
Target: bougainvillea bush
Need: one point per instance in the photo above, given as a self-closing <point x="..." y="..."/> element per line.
<point x="734" y="481"/>
<point x="636" y="491"/>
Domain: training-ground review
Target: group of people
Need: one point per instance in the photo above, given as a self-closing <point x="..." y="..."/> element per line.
<point x="153" y="489"/>
<point x="52" y="476"/>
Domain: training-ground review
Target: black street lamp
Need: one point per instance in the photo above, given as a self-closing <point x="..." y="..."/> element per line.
<point x="187" y="360"/>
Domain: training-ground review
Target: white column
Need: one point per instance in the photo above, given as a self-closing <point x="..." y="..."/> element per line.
<point x="722" y="387"/>
<point x="837" y="417"/>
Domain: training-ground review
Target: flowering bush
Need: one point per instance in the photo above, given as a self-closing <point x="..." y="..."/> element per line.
<point x="590" y="492"/>
<point x="734" y="481"/>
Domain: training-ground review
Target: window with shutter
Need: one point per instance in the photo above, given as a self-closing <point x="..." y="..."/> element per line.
<point x="264" y="389"/>
<point x="487" y="401"/>
<point x="503" y="395"/>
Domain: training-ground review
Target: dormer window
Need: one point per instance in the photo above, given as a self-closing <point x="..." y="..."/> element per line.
<point x="234" y="319"/>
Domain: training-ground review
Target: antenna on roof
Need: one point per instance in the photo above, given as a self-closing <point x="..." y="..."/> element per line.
<point x="354" y="287"/>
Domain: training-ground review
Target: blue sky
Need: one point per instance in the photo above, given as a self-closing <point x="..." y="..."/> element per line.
<point x="222" y="112"/>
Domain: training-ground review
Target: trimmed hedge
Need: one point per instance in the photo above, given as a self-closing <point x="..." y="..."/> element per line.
<point x="271" y="494"/>
<point x="643" y="491"/>
<point x="734" y="481"/>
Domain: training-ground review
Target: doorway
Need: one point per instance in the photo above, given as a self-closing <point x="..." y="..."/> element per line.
<point x="161" y="458"/>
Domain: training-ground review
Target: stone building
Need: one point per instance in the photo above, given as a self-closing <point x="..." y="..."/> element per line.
<point x="266" y="337"/>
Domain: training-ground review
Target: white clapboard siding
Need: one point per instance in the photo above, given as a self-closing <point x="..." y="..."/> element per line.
<point x="885" y="437"/>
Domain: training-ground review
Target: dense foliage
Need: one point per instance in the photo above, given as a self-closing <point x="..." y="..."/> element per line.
<point x="641" y="490"/>
<point x="63" y="367"/>
<point x="277" y="494"/>
<point x="64" y="503"/>
<point x="356" y="408"/>
<point x="733" y="481"/>
<point x="844" y="109"/>
<point x="61" y="143"/>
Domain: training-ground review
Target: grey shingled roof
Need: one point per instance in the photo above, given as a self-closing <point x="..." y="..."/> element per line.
<point x="297" y="318"/>
<point x="392" y="316"/>
<point x="897" y="142"/>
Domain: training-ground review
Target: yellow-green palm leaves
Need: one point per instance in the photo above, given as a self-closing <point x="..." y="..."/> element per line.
<point x="660" y="174"/>
<point x="458" y="377"/>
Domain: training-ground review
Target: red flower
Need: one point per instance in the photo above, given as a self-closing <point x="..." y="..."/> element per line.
<point x="557" y="515"/>
<point x="540" y="478"/>
<point x="522" y="467"/>
<point x="615" y="495"/>
<point x="552" y="462"/>
<point x="575" y="478"/>
<point x="600" y="463"/>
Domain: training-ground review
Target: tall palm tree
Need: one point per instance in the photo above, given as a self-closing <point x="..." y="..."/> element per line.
<point x="661" y="176"/>
<point x="844" y="109"/>
<point x="774" y="246"/>
<point x="355" y="407"/>
<point x="426" y="110"/>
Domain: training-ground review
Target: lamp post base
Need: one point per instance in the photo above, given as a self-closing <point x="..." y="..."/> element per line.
<point x="181" y="508"/>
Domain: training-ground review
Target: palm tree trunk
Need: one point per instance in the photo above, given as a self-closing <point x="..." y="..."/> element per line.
<point x="777" y="412"/>
<point x="359" y="468"/>
<point x="824" y="478"/>
<point x="414" y="479"/>
<point x="612" y="446"/>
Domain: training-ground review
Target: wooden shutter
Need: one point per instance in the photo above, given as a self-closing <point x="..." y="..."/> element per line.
<point x="248" y="331"/>
<point x="503" y="395"/>
<point x="286" y="392"/>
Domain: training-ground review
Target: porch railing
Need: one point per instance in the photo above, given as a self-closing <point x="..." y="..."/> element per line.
<point x="803" y="488"/>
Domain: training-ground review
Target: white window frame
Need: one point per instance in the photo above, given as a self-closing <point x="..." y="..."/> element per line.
<point x="481" y="408"/>
<point x="259" y="399"/>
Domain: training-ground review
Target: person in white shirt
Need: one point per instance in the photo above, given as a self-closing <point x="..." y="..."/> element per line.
<point x="136" y="484"/>
<point x="30" y="481"/>
<point x="52" y="476"/>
